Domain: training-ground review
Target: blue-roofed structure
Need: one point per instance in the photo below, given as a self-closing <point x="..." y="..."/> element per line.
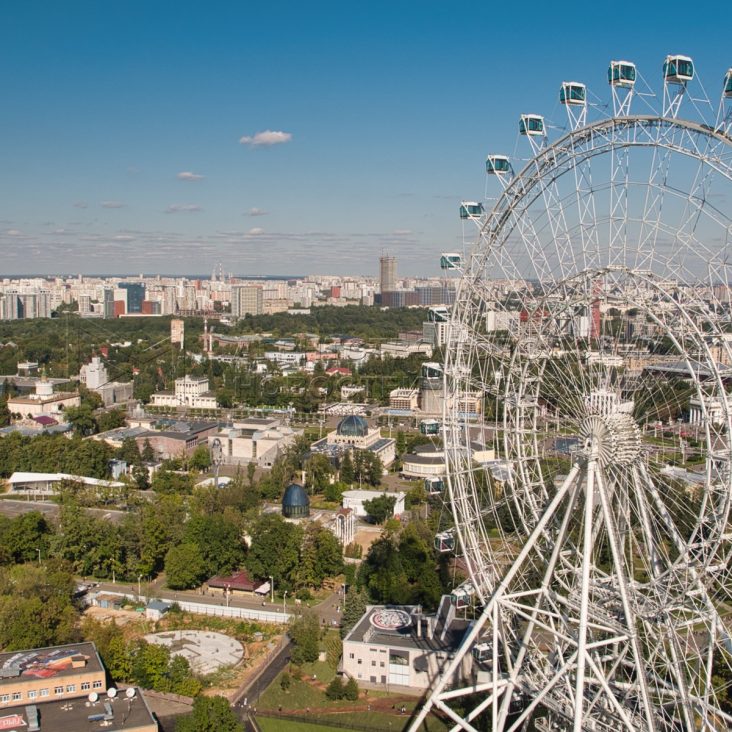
<point x="295" y="502"/>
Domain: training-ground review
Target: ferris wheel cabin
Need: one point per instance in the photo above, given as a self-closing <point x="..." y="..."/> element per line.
<point x="621" y="73"/>
<point x="429" y="427"/>
<point x="728" y="85"/>
<point x="445" y="541"/>
<point x="678" y="69"/>
<point x="572" y="92"/>
<point x="496" y="164"/>
<point x="471" y="210"/>
<point x="450" y="260"/>
<point x="462" y="596"/>
<point x="531" y="125"/>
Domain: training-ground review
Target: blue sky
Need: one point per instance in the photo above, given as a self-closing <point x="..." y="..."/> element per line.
<point x="387" y="111"/>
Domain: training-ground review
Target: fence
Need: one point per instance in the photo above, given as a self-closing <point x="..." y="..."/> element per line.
<point x="221" y="611"/>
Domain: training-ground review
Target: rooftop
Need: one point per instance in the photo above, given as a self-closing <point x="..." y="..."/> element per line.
<point x="127" y="714"/>
<point x="372" y="630"/>
<point x="44" y="663"/>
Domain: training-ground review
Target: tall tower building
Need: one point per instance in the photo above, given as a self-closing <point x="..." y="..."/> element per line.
<point x="388" y="273"/>
<point x="246" y="300"/>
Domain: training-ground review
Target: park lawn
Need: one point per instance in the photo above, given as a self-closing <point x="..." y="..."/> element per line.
<point x="372" y="720"/>
<point x="270" y="724"/>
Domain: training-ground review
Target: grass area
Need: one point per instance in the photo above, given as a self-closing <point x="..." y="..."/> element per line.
<point x="270" y="724"/>
<point x="350" y="721"/>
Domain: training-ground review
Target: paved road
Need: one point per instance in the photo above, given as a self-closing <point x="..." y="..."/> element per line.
<point x="15" y="507"/>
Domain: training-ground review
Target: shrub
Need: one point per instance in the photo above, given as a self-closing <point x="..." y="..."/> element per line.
<point x="335" y="689"/>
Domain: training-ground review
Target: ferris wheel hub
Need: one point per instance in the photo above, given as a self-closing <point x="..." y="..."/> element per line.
<point x="614" y="439"/>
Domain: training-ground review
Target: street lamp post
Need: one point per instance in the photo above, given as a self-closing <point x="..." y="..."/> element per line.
<point x="39" y="556"/>
<point x="284" y="603"/>
<point x="271" y="588"/>
<point x="139" y="589"/>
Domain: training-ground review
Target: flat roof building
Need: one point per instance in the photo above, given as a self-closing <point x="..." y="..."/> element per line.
<point x="64" y="688"/>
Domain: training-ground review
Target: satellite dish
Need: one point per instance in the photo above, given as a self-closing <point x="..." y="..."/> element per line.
<point x="111" y="692"/>
<point x="130" y="693"/>
<point x="93" y="697"/>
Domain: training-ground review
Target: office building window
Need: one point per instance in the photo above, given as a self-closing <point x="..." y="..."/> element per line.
<point x="4" y="698"/>
<point x="97" y="684"/>
<point x="17" y="696"/>
<point x="58" y="689"/>
<point x="32" y="694"/>
<point x="71" y="688"/>
<point x="44" y="692"/>
<point x="85" y="686"/>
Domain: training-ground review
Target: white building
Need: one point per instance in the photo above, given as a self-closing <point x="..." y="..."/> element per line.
<point x="708" y="411"/>
<point x="44" y="402"/>
<point x="354" y="500"/>
<point x="404" y="399"/>
<point x="399" y="646"/>
<point x="255" y="440"/>
<point x="47" y="484"/>
<point x="95" y="377"/>
<point x="190" y="391"/>
<point x="354" y="433"/>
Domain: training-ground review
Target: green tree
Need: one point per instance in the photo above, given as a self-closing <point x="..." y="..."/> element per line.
<point x="81" y="419"/>
<point x="219" y="541"/>
<point x="275" y="550"/>
<point x="168" y="481"/>
<point x="201" y="458"/>
<point x="335" y="690"/>
<point x="36" y="606"/>
<point x="350" y="690"/>
<point x="319" y="472"/>
<point x="185" y="566"/>
<point x="305" y="634"/>
<point x="129" y="452"/>
<point x="210" y="714"/>
<point x="354" y="607"/>
<point x="346" y="473"/>
<point x="148" y="454"/>
<point x="110" y="420"/>
<point x="380" y="508"/>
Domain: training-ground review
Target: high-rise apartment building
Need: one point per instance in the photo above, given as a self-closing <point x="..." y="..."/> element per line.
<point x="135" y="295"/>
<point x="388" y="273"/>
<point x="246" y="300"/>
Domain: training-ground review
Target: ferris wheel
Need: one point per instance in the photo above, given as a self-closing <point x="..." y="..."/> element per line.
<point x="594" y="315"/>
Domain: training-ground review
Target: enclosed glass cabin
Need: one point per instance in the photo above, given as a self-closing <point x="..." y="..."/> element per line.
<point x="461" y="596"/>
<point x="497" y="164"/>
<point x="531" y="124"/>
<point x="728" y="85"/>
<point x="678" y="69"/>
<point x="450" y="260"/>
<point x="572" y="92"/>
<point x="482" y="652"/>
<point x="621" y="73"/>
<point x="429" y="427"/>
<point x="434" y="486"/>
<point x="471" y="210"/>
<point x="445" y="541"/>
<point x="431" y="370"/>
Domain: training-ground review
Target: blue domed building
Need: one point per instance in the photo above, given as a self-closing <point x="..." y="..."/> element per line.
<point x="353" y="433"/>
<point x="295" y="502"/>
<point x="353" y="426"/>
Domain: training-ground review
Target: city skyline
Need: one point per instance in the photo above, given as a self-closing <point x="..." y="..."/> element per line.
<point x="163" y="139"/>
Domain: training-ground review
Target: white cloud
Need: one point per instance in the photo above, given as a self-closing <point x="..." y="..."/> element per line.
<point x="402" y="232"/>
<point x="124" y="237"/>
<point x="256" y="231"/>
<point x="183" y="208"/>
<point x="257" y="212"/>
<point x="188" y="176"/>
<point x="112" y="204"/>
<point x="81" y="204"/>
<point x="14" y="232"/>
<point x="266" y="138"/>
